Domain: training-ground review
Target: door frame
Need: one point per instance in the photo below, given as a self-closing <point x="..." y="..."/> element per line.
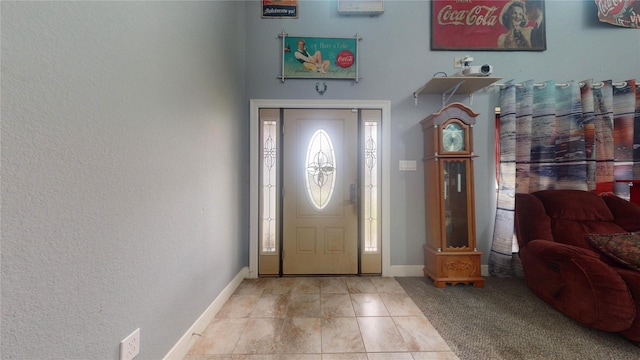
<point x="254" y="165"/>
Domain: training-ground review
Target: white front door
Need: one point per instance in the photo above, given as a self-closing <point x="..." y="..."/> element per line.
<point x="269" y="254"/>
<point x="320" y="180"/>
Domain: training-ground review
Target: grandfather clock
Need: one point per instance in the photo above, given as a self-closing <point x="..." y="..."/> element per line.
<point x="450" y="254"/>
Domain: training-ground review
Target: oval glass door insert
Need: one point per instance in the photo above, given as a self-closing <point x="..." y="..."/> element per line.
<point x="320" y="166"/>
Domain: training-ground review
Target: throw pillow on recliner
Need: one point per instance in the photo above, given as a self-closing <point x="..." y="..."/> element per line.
<point x="622" y="247"/>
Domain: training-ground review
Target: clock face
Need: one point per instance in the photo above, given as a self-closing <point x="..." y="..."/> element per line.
<point x="453" y="138"/>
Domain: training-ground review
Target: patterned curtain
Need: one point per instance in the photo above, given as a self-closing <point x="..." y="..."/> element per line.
<point x="575" y="135"/>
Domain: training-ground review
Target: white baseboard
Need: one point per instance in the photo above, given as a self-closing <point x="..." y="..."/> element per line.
<point x="417" y="270"/>
<point x="406" y="270"/>
<point x="183" y="345"/>
<point x="484" y="270"/>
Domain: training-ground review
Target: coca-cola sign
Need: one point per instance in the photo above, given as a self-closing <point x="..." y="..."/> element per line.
<point x="624" y="13"/>
<point x="319" y="57"/>
<point x="611" y="7"/>
<point x="488" y="25"/>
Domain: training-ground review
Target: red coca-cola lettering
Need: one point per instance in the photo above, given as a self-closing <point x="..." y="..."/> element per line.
<point x="345" y="59"/>
<point x="613" y="7"/>
<point x="478" y="16"/>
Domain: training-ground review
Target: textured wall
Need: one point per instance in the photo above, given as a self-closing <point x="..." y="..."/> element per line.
<point x="123" y="172"/>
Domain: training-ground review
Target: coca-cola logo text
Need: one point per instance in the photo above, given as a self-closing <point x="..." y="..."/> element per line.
<point x="613" y="7"/>
<point x="478" y="15"/>
<point x="345" y="59"/>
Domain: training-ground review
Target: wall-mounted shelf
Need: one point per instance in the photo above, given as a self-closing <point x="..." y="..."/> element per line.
<point x="451" y="84"/>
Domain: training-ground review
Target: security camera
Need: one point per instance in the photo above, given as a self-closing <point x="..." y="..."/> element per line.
<point x="481" y="70"/>
<point x="468" y="70"/>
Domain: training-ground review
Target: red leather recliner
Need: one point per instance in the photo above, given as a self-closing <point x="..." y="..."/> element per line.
<point x="565" y="270"/>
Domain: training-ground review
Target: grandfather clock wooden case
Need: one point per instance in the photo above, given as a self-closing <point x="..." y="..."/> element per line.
<point x="450" y="254"/>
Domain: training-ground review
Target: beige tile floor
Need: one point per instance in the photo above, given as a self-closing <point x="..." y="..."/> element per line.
<point x="320" y="318"/>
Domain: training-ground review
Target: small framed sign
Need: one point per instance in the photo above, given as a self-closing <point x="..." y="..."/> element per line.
<point x="279" y="9"/>
<point x="503" y="25"/>
<point x="318" y="57"/>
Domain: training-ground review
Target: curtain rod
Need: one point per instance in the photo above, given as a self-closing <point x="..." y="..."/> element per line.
<point x="582" y="84"/>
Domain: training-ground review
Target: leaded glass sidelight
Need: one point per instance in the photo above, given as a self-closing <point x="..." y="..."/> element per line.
<point x="269" y="186"/>
<point x="320" y="167"/>
<point x="370" y="204"/>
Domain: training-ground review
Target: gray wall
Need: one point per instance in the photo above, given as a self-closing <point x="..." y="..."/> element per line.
<point x="124" y="183"/>
<point x="124" y="149"/>
<point x="395" y="60"/>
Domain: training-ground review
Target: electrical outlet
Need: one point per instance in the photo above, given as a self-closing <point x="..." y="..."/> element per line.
<point x="130" y="346"/>
<point x="457" y="62"/>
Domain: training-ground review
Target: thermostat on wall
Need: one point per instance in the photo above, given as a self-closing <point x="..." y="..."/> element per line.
<point x="355" y="7"/>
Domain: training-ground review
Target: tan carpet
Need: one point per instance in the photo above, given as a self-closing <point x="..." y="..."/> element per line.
<point x="505" y="320"/>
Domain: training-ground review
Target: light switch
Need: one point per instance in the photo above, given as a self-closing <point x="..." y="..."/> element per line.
<point x="408" y="165"/>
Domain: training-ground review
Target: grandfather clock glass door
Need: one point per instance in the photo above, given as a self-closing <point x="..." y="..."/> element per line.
<point x="456" y="203"/>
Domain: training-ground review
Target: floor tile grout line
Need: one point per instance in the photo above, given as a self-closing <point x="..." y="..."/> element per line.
<point x="364" y="345"/>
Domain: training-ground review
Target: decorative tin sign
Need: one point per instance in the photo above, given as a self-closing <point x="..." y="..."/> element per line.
<point x="317" y="57"/>
<point x="488" y="25"/>
<point x="624" y="13"/>
<point x="279" y="9"/>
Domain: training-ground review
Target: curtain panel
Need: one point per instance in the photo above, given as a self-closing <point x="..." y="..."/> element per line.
<point x="575" y="135"/>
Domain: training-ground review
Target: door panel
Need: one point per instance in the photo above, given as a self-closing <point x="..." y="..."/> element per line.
<point x="320" y="211"/>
